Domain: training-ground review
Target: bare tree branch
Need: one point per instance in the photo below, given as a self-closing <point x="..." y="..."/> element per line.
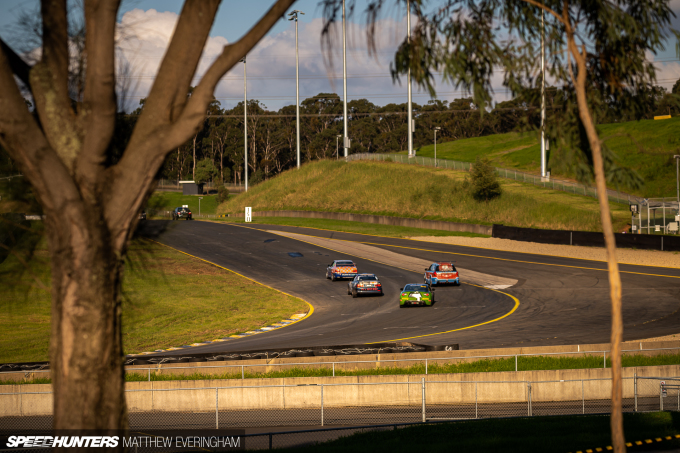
<point x="97" y="114"/>
<point x="18" y="66"/>
<point x="49" y="81"/>
<point x="23" y="139"/>
<point x="149" y="146"/>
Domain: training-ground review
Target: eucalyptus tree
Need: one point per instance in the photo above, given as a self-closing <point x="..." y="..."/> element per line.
<point x="592" y="46"/>
<point x="91" y="205"/>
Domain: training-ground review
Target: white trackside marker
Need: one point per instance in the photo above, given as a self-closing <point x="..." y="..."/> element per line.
<point x="497" y="286"/>
<point x="249" y="214"/>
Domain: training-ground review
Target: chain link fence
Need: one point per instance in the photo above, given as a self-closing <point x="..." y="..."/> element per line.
<point x="351" y="404"/>
<point x="551" y="183"/>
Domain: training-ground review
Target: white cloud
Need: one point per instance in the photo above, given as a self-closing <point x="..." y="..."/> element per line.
<point x="271" y="64"/>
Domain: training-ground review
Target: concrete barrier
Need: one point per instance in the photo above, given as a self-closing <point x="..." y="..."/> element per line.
<point x="348" y="391"/>
<point x="378" y="219"/>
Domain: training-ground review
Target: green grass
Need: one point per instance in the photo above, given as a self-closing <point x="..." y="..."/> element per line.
<point x="168" y="201"/>
<point x="559" y="434"/>
<point x="476" y="366"/>
<point x="647" y="146"/>
<point x="169" y="299"/>
<point x="352" y="227"/>
<point x="393" y="189"/>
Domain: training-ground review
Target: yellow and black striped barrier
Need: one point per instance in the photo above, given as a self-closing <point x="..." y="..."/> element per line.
<point x="631" y="444"/>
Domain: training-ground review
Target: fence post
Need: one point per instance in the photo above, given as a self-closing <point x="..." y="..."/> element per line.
<point x="426" y="365"/>
<point x="333" y="369"/>
<point x="604" y="359"/>
<point x="583" y="397"/>
<point x="476" y="402"/>
<point x="660" y="397"/>
<point x="635" y="389"/>
<point x="515" y="362"/>
<point x="423" y="400"/>
<point x="321" y="404"/>
<point x="217" y="410"/>
<point x="149" y="374"/>
<point x="529" y="390"/>
<point x="242" y="373"/>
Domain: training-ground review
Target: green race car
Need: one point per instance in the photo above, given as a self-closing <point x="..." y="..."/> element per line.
<point x="416" y="294"/>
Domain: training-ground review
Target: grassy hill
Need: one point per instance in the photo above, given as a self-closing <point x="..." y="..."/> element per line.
<point x="386" y="188"/>
<point x="647" y="146"/>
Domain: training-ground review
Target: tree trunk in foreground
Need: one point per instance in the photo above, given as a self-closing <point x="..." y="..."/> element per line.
<point x="86" y="348"/>
<point x="91" y="207"/>
<point x="618" y="439"/>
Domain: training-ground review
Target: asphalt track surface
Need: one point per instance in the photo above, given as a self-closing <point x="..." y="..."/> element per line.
<point x="561" y="300"/>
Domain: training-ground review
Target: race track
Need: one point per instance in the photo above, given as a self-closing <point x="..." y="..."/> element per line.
<point x="561" y="300"/>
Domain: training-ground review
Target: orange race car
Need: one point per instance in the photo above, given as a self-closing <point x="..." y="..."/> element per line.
<point x="341" y="269"/>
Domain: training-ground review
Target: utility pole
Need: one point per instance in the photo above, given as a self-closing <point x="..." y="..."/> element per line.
<point x="345" y="138"/>
<point x="294" y="16"/>
<point x="677" y="177"/>
<point x="245" y="121"/>
<point x="543" y="163"/>
<point x="337" y="149"/>
<point x="408" y="83"/>
<point x="435" y="145"/>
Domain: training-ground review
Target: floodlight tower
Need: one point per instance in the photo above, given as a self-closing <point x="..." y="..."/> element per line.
<point x="543" y="159"/>
<point x="411" y="153"/>
<point x="245" y="121"/>
<point x="294" y="16"/>
<point x="345" y="137"/>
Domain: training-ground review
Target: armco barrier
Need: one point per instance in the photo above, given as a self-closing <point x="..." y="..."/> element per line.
<point x="586" y="238"/>
<point x="379" y="219"/>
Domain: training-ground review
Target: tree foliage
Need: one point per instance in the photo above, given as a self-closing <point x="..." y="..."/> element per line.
<point x="484" y="184"/>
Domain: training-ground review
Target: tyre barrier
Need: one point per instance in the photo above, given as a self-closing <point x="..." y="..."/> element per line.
<point x="322" y="351"/>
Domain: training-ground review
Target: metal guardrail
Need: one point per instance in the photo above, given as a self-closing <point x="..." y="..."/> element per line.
<point x="333" y="365"/>
<point x="551" y="183"/>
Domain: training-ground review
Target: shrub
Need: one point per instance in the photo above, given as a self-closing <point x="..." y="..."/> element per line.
<point x="483" y="181"/>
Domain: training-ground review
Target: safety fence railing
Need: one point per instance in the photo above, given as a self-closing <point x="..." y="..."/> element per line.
<point x="537" y="180"/>
<point x="343" y="404"/>
<point x="171" y="366"/>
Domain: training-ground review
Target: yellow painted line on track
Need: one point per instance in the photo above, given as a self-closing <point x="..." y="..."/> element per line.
<point x="516" y="261"/>
<point x="487" y="257"/>
<point x="463" y="328"/>
<point x="455" y="245"/>
<point x="514" y="308"/>
<point x="311" y="307"/>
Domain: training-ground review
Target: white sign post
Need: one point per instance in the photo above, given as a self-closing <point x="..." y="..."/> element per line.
<point x="249" y="214"/>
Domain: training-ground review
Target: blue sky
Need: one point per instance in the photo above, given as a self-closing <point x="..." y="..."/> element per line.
<point x="271" y="65"/>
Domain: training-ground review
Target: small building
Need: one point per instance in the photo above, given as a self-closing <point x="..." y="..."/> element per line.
<point x="191" y="188"/>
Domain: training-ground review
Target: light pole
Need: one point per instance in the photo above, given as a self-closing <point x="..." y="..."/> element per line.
<point x="435" y="144"/>
<point x="677" y="177"/>
<point x="408" y="83"/>
<point x="344" y="82"/>
<point x="294" y="16"/>
<point x="245" y="121"/>
<point x="199" y="205"/>
<point x="337" y="149"/>
<point x="543" y="160"/>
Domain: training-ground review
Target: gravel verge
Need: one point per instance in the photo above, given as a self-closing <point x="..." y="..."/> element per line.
<point x="626" y="256"/>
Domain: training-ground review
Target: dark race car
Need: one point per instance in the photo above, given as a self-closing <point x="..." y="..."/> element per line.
<point x="365" y="284"/>
<point x="181" y="213"/>
<point x="416" y="294"/>
<point x="440" y="273"/>
<point x="341" y="269"/>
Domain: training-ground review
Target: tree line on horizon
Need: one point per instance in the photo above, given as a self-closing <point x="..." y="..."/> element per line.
<point x="216" y="152"/>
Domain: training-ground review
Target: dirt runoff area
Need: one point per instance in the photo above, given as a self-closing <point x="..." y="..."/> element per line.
<point x="627" y="256"/>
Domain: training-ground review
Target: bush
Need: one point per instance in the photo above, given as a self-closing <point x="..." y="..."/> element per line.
<point x="222" y="193"/>
<point x="483" y="181"/>
<point x="256" y="177"/>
